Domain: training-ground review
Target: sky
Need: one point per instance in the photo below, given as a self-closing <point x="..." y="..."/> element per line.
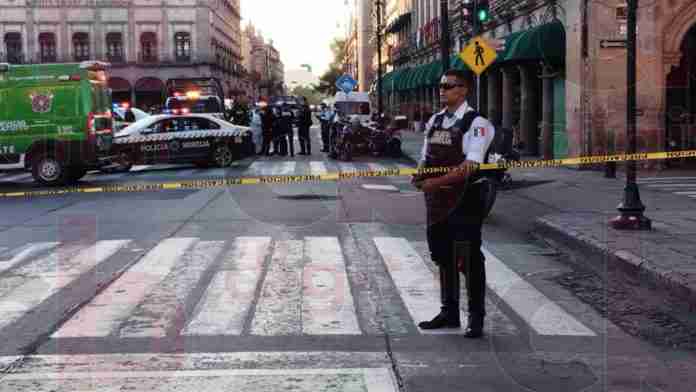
<point x="301" y="30"/>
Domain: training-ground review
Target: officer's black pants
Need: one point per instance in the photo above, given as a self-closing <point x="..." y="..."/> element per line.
<point x="305" y="143"/>
<point x="325" y="135"/>
<point x="266" y="148"/>
<point x="291" y="141"/>
<point x="457" y="237"/>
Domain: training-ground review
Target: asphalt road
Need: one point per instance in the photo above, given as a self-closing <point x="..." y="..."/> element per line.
<point x="305" y="287"/>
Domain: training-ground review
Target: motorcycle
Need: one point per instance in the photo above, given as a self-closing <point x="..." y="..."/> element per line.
<point x="501" y="151"/>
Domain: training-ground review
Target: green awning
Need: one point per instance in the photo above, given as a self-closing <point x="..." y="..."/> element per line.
<point x="546" y="42"/>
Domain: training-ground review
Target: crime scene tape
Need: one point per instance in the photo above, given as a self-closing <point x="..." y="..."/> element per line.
<point x="341" y="176"/>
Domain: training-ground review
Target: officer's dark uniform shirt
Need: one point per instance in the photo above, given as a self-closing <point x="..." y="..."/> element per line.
<point x="446" y="144"/>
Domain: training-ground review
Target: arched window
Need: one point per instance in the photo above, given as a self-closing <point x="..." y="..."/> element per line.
<point x="47" y="47"/>
<point x="13" y="48"/>
<point x="81" y="46"/>
<point x="114" y="47"/>
<point x="182" y="45"/>
<point x="148" y="47"/>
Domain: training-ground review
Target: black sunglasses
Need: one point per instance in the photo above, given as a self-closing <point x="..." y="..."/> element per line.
<point x="447" y="86"/>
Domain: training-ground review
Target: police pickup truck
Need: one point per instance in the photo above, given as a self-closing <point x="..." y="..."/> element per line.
<point x="201" y="139"/>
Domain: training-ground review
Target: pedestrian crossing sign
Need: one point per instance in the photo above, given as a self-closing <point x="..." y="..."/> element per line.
<point x="478" y="55"/>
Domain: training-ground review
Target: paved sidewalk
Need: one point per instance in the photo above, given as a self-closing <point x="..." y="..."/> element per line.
<point x="584" y="201"/>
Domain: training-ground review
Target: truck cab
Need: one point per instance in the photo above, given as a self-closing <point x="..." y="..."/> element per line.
<point x="56" y="118"/>
<point x="196" y="96"/>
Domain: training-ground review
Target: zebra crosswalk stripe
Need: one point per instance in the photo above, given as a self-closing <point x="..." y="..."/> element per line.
<point x="305" y="289"/>
<point x="278" y="311"/>
<point x="540" y="313"/>
<point x="229" y="297"/>
<point x="25" y="253"/>
<point x="162" y="308"/>
<point x="50" y="275"/>
<point x="327" y="302"/>
<point x="102" y="316"/>
<point x="317" y="168"/>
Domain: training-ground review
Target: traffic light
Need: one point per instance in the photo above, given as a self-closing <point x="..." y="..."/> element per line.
<point x="483" y="13"/>
<point x="468" y="10"/>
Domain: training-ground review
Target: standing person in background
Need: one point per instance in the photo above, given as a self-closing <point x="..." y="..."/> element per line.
<point x="305" y="124"/>
<point x="324" y="120"/>
<point x="287" y="119"/>
<point x="280" y="146"/>
<point x="266" y="128"/>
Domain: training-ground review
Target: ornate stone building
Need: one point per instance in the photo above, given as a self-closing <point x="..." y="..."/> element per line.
<point x="146" y="41"/>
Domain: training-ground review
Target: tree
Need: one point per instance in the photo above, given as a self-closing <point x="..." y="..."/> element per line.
<point x="313" y="96"/>
<point x="327" y="81"/>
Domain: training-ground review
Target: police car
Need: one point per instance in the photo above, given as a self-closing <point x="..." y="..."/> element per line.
<point x="201" y="139"/>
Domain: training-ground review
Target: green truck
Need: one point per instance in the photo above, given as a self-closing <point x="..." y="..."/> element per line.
<point x="57" y="117"/>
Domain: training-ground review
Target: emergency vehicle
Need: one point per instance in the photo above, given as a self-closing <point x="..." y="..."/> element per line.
<point x="196" y="96"/>
<point x="56" y="118"/>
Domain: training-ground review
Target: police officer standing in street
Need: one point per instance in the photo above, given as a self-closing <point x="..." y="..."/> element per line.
<point x="287" y="124"/>
<point x="304" y="124"/>
<point x="457" y="137"/>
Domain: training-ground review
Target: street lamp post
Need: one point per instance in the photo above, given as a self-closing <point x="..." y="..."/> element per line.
<point x="444" y="34"/>
<point x="379" y="57"/>
<point x="631" y="208"/>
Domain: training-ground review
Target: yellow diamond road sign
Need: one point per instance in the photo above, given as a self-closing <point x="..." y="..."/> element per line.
<point x="478" y="55"/>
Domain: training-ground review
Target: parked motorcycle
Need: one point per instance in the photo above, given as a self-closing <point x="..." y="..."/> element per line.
<point x="501" y="151"/>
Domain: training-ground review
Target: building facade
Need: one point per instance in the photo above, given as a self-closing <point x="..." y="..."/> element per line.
<point x="146" y="41"/>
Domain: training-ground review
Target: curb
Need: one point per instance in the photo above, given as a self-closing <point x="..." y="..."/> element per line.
<point x="671" y="282"/>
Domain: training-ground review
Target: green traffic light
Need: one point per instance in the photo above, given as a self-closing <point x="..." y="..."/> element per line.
<point x="483" y="15"/>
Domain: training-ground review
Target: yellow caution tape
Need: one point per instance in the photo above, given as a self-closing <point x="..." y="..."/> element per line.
<point x="343" y="176"/>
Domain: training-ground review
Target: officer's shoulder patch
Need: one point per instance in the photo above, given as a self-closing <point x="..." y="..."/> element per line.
<point x="479" y="131"/>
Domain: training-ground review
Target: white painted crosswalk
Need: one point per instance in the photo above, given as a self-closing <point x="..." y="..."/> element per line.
<point x="250" y="286"/>
<point x="682" y="186"/>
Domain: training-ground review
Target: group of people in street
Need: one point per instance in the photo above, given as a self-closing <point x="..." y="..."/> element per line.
<point x="277" y="130"/>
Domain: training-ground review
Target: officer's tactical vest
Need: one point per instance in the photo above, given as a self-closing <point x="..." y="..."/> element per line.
<point x="445" y="150"/>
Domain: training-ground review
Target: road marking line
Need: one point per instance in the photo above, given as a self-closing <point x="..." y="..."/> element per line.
<point x="161" y="309"/>
<point x="278" y="311"/>
<point x="666" y="186"/>
<point x="37" y="288"/>
<point x="24" y="253"/>
<point x="656" y="179"/>
<point x="327" y="302"/>
<point x="346" y="167"/>
<point x="378" y="187"/>
<point x="317" y="168"/>
<point x="685" y="193"/>
<point x="285" y="169"/>
<point x="16" y="177"/>
<point x="103" y="315"/>
<point x="228" y="299"/>
<point x="416" y="284"/>
<point x="540" y="313"/>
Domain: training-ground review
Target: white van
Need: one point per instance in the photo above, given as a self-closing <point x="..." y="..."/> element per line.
<point x="354" y="104"/>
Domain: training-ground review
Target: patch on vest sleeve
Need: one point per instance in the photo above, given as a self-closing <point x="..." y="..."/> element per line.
<point x="479" y="131"/>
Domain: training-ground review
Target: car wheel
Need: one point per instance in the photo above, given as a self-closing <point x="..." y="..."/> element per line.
<point x="48" y="170"/>
<point x="222" y="155"/>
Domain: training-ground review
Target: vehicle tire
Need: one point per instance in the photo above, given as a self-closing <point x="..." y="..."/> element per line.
<point x="394" y="148"/>
<point x="223" y="155"/>
<point x="125" y="160"/>
<point x="48" y="170"/>
<point x="75" y="173"/>
<point x="347" y="152"/>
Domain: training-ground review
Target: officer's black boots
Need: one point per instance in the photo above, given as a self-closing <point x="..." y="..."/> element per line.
<point x="442" y="320"/>
<point x="475" y="327"/>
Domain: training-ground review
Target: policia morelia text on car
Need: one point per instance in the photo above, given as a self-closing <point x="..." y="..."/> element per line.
<point x="58" y="116"/>
<point x="200" y="139"/>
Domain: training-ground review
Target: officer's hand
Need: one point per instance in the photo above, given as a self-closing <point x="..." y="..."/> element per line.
<point x="429" y="186"/>
<point x="416" y="181"/>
